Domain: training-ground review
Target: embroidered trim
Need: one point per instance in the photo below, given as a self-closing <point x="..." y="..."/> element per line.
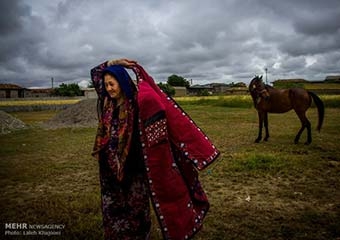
<point x="156" y="132"/>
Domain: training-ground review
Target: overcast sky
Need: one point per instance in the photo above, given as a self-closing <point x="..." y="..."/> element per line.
<point x="206" y="41"/>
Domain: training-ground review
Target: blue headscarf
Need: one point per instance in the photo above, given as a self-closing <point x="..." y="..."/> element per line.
<point x="123" y="78"/>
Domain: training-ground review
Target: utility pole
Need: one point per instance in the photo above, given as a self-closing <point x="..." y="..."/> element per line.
<point x="266" y="69"/>
<point x="52" y="81"/>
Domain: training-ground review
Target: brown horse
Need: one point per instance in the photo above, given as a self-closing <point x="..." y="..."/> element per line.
<point x="271" y="100"/>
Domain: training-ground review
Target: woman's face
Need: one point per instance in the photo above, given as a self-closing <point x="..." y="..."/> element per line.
<point x="112" y="86"/>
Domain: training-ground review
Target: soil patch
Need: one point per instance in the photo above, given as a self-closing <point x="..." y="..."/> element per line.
<point x="81" y="114"/>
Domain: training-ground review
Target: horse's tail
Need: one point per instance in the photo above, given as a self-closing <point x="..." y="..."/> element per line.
<point x="321" y="109"/>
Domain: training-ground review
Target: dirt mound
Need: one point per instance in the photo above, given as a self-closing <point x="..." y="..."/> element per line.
<point x="8" y="123"/>
<point x="81" y="114"/>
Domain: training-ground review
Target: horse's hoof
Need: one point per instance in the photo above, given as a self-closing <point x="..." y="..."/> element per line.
<point x="296" y="142"/>
<point x="266" y="139"/>
<point x="257" y="140"/>
<point x="307" y="143"/>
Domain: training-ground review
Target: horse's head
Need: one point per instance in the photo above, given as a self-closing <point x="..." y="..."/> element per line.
<point x="258" y="89"/>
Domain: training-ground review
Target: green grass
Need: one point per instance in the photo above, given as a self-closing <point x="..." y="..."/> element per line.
<point x="269" y="190"/>
<point x="243" y="101"/>
<point x="230" y="101"/>
<point x="260" y="163"/>
<point x="49" y="177"/>
<point x="331" y="101"/>
<point x="234" y="101"/>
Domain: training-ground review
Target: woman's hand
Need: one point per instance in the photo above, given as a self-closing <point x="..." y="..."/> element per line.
<point x="128" y="63"/>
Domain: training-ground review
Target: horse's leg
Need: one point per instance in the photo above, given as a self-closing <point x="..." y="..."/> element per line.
<point x="297" y="137"/>
<point x="259" y="137"/>
<point x="266" y="126"/>
<point x="304" y="124"/>
<point x="309" y="132"/>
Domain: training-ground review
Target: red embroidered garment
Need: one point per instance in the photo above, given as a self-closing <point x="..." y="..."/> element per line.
<point x="173" y="148"/>
<point x="173" y="145"/>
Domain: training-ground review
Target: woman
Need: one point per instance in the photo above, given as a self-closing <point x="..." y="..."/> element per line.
<point x="147" y="147"/>
<point x="125" y="202"/>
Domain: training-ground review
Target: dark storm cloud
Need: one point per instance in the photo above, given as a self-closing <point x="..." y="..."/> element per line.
<point x="298" y="45"/>
<point x="207" y="41"/>
<point x="11" y="16"/>
<point x="14" y="21"/>
<point x="323" y="25"/>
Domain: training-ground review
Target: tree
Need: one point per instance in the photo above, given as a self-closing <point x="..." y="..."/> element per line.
<point x="178" y="81"/>
<point x="167" y="88"/>
<point x="69" y="90"/>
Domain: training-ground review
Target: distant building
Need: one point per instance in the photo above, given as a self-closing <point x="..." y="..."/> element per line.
<point x="89" y="92"/>
<point x="39" y="92"/>
<point x="335" y="78"/>
<point x="328" y="79"/>
<point x="8" y="90"/>
<point x="180" y="91"/>
<point x="331" y="84"/>
<point x="290" y="80"/>
<point x="218" y="89"/>
<point x="198" y="89"/>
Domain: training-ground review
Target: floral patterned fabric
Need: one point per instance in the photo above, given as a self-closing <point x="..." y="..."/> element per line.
<point x="125" y="205"/>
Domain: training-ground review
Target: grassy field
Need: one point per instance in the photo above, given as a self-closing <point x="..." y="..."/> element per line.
<point x="30" y="102"/>
<point x="313" y="86"/>
<point x="243" y="101"/>
<point x="270" y="190"/>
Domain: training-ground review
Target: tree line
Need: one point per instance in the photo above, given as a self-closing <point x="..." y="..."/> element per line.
<point x="173" y="81"/>
<point x="73" y="89"/>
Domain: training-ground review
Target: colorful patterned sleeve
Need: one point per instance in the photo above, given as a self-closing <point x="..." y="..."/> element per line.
<point x="97" y="78"/>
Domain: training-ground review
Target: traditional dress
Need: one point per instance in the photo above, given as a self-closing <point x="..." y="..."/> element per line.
<point x="124" y="194"/>
<point x="159" y="158"/>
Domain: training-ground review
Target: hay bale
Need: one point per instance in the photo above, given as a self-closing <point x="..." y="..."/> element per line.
<point x="8" y="123"/>
<point x="81" y="114"/>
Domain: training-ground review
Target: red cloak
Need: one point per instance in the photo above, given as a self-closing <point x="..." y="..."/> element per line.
<point x="174" y="147"/>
